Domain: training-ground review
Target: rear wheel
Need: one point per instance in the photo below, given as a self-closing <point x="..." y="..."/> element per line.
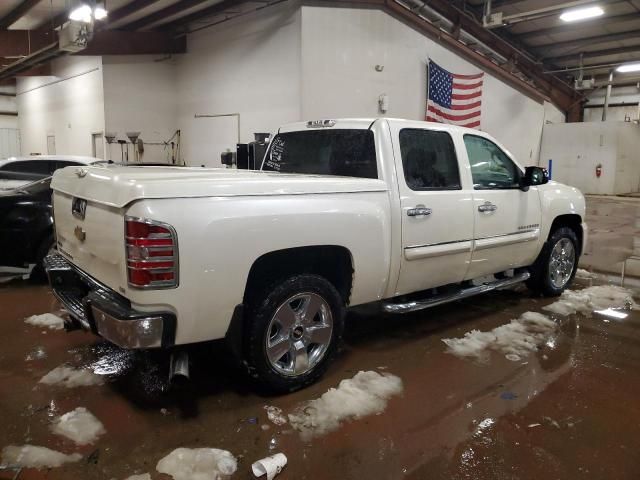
<point x="556" y="265"/>
<point x="294" y="328"/>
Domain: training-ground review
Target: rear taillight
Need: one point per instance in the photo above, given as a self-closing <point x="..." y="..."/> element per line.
<point x="152" y="253"/>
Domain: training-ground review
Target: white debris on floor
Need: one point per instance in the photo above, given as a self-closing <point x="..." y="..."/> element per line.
<point x="71" y="377"/>
<point x="275" y="415"/>
<point x="198" y="464"/>
<point x="365" y="394"/>
<point x="583" y="274"/>
<point x="31" y="456"/>
<point x="514" y="340"/>
<point x="48" y="320"/>
<point x="590" y="299"/>
<point x="78" y="425"/>
<point x="144" y="476"/>
<point x="524" y="334"/>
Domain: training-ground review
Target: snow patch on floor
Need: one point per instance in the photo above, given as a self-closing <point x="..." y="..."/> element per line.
<point x="590" y="299"/>
<point x="78" y="425"/>
<point x="71" y="377"/>
<point x="365" y="394"/>
<point x="583" y="274"/>
<point x="144" y="476"/>
<point x="515" y="340"/>
<point x="275" y="415"/>
<point x="31" y="456"/>
<point x="48" y="320"/>
<point x="198" y="464"/>
<point x="524" y="334"/>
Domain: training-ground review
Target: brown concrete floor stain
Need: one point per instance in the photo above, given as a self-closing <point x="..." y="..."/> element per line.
<point x="450" y="423"/>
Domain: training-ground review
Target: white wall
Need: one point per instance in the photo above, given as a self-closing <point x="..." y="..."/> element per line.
<point x="630" y="94"/>
<point x="140" y="95"/>
<point x="68" y="105"/>
<point x="342" y="46"/>
<point x="249" y="66"/>
<point x="577" y="148"/>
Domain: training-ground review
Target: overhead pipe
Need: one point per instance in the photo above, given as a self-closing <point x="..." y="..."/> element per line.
<point x="607" y="97"/>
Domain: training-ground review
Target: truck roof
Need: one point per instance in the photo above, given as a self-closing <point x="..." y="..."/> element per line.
<point x="364" y="123"/>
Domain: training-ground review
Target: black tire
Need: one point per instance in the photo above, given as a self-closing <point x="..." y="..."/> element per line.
<point x="38" y="274"/>
<point x="260" y="312"/>
<point x="540" y="281"/>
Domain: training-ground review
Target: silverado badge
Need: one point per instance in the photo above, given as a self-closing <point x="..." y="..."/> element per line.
<point x="80" y="233"/>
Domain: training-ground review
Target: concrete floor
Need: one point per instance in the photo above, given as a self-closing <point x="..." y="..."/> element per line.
<point x="568" y="410"/>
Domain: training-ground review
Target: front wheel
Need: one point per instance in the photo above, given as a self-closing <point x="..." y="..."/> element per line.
<point x="294" y="328"/>
<point x="556" y="265"/>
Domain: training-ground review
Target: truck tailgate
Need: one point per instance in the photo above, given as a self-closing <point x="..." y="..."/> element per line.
<point x="94" y="243"/>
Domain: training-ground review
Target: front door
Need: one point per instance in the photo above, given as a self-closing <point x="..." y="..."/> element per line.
<point x="437" y="215"/>
<point x="507" y="219"/>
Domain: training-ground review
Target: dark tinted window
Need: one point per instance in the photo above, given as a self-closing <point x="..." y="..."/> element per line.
<point x="349" y="153"/>
<point x="65" y="163"/>
<point x="429" y="160"/>
<point x="29" y="166"/>
<point x="490" y="166"/>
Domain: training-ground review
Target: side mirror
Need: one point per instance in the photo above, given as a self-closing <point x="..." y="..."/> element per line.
<point x="534" y="176"/>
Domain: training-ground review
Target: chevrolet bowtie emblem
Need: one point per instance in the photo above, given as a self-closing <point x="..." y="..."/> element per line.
<point x="80" y="233"/>
<point x="81" y="172"/>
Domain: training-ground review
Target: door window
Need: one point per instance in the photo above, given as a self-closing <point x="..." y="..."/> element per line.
<point x="491" y="168"/>
<point x="30" y="166"/>
<point x="429" y="160"/>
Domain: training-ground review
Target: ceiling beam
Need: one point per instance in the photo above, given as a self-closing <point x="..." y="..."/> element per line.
<point x="208" y="12"/>
<point x="546" y="49"/>
<point x="160" y="15"/>
<point x="128" y="10"/>
<point x="560" y="29"/>
<point x="575" y="57"/>
<point x="18" y="43"/>
<point x="118" y="42"/>
<point x="17" y="13"/>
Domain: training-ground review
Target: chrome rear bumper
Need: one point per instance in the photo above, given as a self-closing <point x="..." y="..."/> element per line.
<point x="100" y="309"/>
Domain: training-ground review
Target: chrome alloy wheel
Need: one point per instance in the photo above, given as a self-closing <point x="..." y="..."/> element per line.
<point x="299" y="334"/>
<point x="561" y="262"/>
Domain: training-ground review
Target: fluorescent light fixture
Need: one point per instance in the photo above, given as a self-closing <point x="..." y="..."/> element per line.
<point x="99" y="13"/>
<point x="629" y="67"/>
<point x="81" y="13"/>
<point x="581" y="14"/>
<point x="610" y="312"/>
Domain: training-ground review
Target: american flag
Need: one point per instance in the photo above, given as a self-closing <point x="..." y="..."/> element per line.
<point x="453" y="98"/>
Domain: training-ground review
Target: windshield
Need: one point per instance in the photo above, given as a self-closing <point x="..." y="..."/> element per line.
<point x="35" y="187"/>
<point x="349" y="153"/>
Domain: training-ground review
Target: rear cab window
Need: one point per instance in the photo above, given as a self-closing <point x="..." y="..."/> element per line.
<point x="429" y="160"/>
<point x="341" y="152"/>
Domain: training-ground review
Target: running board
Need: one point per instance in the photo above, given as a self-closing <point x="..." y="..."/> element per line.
<point x="416" y="305"/>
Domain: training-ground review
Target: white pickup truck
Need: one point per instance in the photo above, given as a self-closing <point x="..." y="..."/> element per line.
<point x="408" y="214"/>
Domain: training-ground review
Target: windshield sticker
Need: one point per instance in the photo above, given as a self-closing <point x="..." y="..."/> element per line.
<point x="275" y="154"/>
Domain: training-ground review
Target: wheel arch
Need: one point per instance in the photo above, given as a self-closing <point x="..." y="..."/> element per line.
<point x="572" y="221"/>
<point x="333" y="262"/>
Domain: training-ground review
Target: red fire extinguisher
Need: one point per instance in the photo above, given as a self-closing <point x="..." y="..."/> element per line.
<point x="598" y="170"/>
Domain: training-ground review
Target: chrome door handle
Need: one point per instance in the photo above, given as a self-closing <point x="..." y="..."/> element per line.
<point x="419" y="211"/>
<point x="487" y="207"/>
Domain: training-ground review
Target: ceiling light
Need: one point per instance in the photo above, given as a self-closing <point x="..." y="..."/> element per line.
<point x="99" y="13"/>
<point x="81" y="13"/>
<point x="581" y="14"/>
<point x="629" y="67"/>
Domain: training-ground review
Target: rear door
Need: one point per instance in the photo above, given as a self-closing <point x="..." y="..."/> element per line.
<point x="436" y="208"/>
<point x="507" y="219"/>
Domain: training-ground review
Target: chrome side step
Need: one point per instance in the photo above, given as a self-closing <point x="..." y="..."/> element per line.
<point x="416" y="305"/>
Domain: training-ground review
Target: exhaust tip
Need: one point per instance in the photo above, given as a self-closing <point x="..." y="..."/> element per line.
<point x="179" y="367"/>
